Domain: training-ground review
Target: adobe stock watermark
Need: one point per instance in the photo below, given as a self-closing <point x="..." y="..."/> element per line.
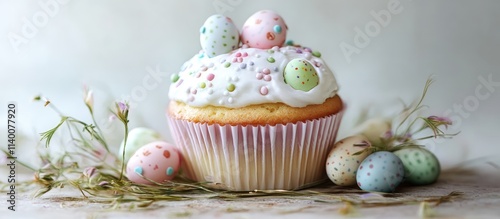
<point x="149" y="82"/>
<point x="363" y="37"/>
<point x="463" y="110"/>
<point x="31" y="27"/>
<point x="223" y="6"/>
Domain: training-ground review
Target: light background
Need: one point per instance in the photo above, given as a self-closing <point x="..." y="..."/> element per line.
<point x="109" y="45"/>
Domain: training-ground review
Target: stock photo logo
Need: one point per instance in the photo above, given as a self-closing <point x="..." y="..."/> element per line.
<point x="372" y="29"/>
<point x="223" y="6"/>
<point x="31" y="26"/>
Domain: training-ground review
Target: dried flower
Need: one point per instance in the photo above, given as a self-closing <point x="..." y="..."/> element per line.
<point x="103" y="183"/>
<point x="404" y="134"/>
<point x="89" y="100"/>
<point x="387" y="135"/>
<point x="122" y="109"/>
<point x="89" y="172"/>
<point x="122" y="106"/>
<point x="440" y="120"/>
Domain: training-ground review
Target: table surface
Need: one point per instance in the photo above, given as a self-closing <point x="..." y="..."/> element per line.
<point x="480" y="198"/>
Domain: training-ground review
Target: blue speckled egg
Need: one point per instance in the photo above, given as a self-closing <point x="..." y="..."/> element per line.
<point x="381" y="171"/>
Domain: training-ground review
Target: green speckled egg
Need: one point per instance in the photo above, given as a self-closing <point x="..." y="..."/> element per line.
<point x="301" y="75"/>
<point x="137" y="138"/>
<point x="421" y="166"/>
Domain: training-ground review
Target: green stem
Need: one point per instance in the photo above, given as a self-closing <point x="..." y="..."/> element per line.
<point x="124" y="149"/>
<point x="101" y="136"/>
<point x="417" y="107"/>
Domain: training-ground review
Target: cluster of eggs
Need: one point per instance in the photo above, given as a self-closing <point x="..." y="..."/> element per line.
<point x="149" y="159"/>
<point x="264" y="30"/>
<point x="349" y="164"/>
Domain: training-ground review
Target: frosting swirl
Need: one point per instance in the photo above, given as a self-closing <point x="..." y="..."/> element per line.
<point x="249" y="76"/>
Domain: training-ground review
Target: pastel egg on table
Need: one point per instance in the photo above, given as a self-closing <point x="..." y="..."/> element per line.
<point x="157" y="161"/>
<point x="264" y="30"/>
<point x="219" y="35"/>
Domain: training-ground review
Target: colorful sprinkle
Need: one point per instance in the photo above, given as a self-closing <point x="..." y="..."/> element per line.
<point x="271" y="60"/>
<point x="227" y="64"/>
<point x="210" y="77"/>
<point x="231" y="87"/>
<point x="243" y="65"/>
<point x="138" y="170"/>
<point x="307" y="55"/>
<point x="316" y="53"/>
<point x="267" y="77"/>
<point x="170" y="171"/>
<point x="203" y="85"/>
<point x="259" y="76"/>
<point x="266" y="71"/>
<point x="166" y="154"/>
<point x="264" y="90"/>
<point x="174" y="78"/>
<point x="277" y="28"/>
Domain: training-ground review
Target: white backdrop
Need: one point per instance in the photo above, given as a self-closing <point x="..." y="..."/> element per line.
<point x="53" y="47"/>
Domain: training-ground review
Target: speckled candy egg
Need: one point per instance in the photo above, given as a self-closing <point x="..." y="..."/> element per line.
<point x="421" y="166"/>
<point x="219" y="35"/>
<point x="381" y="171"/>
<point x="264" y="30"/>
<point x="341" y="164"/>
<point x="137" y="138"/>
<point x="158" y="161"/>
<point x="301" y="75"/>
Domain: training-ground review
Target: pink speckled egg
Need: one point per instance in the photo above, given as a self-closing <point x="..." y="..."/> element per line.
<point x="157" y="161"/>
<point x="264" y="30"/>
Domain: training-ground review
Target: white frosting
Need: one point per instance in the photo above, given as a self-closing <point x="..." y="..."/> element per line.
<point x="250" y="79"/>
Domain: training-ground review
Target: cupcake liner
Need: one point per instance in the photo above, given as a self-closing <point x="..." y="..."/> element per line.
<point x="245" y="158"/>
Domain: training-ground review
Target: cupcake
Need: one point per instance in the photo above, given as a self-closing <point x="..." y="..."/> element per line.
<point x="251" y="112"/>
